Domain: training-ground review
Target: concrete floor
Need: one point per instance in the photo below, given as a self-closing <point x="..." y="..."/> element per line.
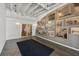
<point x="11" y="48"/>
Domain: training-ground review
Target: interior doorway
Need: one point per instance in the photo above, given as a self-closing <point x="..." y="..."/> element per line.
<point x="26" y="30"/>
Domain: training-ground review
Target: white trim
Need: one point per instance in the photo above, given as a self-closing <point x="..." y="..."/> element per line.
<point x="37" y="10"/>
<point x="23" y="17"/>
<point x="39" y="13"/>
<point x="60" y="43"/>
<point x="32" y="10"/>
<point x="43" y="6"/>
<point x="26" y="8"/>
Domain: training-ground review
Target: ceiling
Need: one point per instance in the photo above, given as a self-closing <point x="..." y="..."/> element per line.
<point x="28" y="9"/>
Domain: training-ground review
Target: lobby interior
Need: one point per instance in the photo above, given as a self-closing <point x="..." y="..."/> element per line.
<point x="53" y="25"/>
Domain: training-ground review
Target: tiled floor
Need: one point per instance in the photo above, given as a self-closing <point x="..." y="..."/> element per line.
<point x="11" y="48"/>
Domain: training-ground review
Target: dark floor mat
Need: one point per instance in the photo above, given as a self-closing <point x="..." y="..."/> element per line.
<point x="33" y="48"/>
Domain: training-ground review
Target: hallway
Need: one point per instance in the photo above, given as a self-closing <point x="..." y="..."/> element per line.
<point x="55" y="25"/>
<point x="11" y="48"/>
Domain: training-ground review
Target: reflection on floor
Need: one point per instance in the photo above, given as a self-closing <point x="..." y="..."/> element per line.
<point x="11" y="48"/>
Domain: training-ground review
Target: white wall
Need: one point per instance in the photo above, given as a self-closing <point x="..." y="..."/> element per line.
<point x="34" y="29"/>
<point x="13" y="31"/>
<point x="2" y="27"/>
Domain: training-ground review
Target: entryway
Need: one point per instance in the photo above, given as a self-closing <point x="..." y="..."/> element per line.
<point x="26" y="30"/>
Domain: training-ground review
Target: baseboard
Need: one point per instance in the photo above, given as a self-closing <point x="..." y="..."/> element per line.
<point x="59" y="43"/>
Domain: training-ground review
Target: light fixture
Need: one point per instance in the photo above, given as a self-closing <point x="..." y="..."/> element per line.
<point x="59" y="14"/>
<point x="17" y="23"/>
<point x="49" y="22"/>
